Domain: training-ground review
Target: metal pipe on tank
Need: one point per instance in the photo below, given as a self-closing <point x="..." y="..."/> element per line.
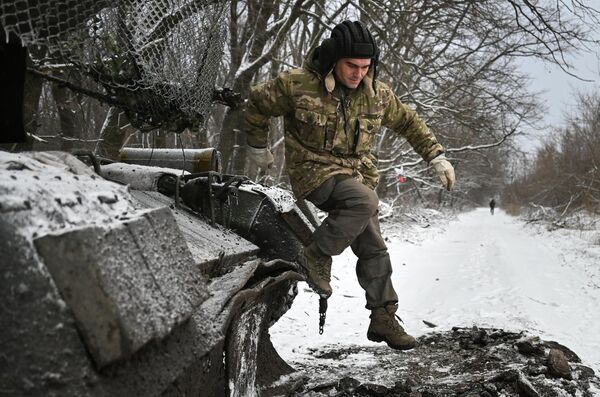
<point x="192" y="160"/>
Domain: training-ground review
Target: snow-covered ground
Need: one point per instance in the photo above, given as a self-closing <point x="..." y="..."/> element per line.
<point x="479" y="269"/>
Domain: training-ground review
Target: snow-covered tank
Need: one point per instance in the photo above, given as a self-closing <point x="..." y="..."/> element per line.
<point x="136" y="280"/>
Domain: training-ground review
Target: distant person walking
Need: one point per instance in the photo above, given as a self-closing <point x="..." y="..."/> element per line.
<point x="492" y="206"/>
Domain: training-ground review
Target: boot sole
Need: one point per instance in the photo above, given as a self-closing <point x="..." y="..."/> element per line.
<point x="314" y="287"/>
<point x="377" y="338"/>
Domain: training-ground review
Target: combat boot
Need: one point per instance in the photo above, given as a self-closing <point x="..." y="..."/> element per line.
<point x="317" y="269"/>
<point x="385" y="328"/>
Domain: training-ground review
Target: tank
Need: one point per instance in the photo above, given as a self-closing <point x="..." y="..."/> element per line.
<point x="135" y="279"/>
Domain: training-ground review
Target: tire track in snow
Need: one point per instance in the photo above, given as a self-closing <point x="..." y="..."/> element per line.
<point x="493" y="272"/>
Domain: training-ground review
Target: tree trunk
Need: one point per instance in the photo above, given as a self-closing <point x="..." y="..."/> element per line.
<point x="31" y="100"/>
<point x="233" y="142"/>
<point x="112" y="136"/>
<point x="160" y="139"/>
<point x="65" y="104"/>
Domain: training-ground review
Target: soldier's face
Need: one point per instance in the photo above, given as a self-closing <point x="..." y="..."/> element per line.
<point x="351" y="71"/>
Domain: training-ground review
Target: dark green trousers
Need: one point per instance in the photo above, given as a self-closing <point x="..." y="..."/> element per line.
<point x="352" y="221"/>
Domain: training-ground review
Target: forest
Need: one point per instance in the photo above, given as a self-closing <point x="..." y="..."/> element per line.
<point x="176" y="74"/>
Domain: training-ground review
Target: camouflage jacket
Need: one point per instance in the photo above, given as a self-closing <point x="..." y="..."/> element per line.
<point x="325" y="135"/>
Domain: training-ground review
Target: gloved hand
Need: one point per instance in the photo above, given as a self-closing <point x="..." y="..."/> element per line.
<point x="444" y="170"/>
<point x="261" y="156"/>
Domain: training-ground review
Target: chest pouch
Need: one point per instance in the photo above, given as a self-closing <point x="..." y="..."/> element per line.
<point x="311" y="127"/>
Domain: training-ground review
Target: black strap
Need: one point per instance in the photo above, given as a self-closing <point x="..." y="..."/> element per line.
<point x="322" y="313"/>
<point x="356" y="135"/>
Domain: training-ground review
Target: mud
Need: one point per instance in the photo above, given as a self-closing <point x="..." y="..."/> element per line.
<point x="460" y="362"/>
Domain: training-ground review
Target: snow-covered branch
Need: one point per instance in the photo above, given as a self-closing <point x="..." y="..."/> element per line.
<point x="483" y="146"/>
<point x="248" y="70"/>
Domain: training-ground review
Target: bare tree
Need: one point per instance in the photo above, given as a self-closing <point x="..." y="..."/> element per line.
<point x="257" y="31"/>
<point x="565" y="174"/>
<point x="454" y="61"/>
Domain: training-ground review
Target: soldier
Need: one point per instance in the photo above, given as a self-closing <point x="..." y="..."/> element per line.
<point x="333" y="108"/>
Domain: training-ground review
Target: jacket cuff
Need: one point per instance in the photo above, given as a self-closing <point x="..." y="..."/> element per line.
<point x="438" y="154"/>
<point x="436" y="151"/>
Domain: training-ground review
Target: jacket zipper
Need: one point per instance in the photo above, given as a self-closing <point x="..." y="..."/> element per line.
<point x="345" y="102"/>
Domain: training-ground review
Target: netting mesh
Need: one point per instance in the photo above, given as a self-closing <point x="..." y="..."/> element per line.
<point x="157" y="60"/>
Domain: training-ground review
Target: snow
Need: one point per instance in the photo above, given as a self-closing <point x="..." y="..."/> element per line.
<point x="491" y="271"/>
<point x="41" y="192"/>
<point x="246" y="333"/>
<point x="283" y="199"/>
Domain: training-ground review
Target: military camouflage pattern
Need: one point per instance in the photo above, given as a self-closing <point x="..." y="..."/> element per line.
<point x="328" y="134"/>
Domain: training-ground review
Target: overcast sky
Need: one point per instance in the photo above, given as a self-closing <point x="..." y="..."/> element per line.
<point x="558" y="88"/>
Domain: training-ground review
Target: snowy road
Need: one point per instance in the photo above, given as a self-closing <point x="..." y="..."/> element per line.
<point x="481" y="270"/>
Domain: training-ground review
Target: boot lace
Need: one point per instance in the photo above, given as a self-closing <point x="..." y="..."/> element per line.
<point x="322" y="269"/>
<point x="393" y="324"/>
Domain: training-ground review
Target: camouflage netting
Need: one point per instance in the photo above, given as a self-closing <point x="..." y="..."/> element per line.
<point x="157" y="60"/>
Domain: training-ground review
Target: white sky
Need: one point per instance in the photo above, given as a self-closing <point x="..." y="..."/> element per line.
<point x="558" y="88"/>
